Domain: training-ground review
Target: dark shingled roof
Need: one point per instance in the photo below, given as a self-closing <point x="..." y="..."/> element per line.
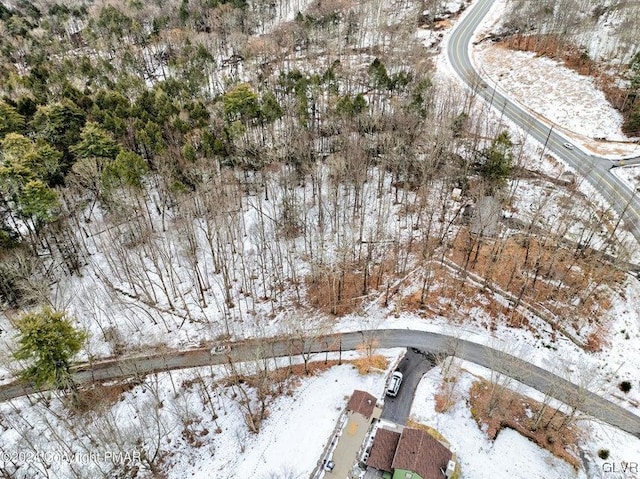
<point x="419" y="452"/>
<point x="383" y="449"/>
<point x="362" y="402"/>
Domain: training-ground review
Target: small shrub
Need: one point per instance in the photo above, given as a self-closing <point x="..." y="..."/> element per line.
<point x="603" y="454"/>
<point x="625" y="386"/>
<point x="366" y="364"/>
<point x="442" y="403"/>
<point x="594" y="342"/>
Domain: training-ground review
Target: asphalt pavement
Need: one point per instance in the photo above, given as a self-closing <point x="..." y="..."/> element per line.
<point x="595" y="169"/>
<point x="413" y="366"/>
<point x="252" y="350"/>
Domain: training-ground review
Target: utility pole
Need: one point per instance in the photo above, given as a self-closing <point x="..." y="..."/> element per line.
<point x="544" y="147"/>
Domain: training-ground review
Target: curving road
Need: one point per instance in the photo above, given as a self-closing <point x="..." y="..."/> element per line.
<point x="594" y="169"/>
<point x="439" y="344"/>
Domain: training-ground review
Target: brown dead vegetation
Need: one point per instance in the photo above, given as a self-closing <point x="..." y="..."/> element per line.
<point x="455" y="297"/>
<point x="365" y="364"/>
<point x="99" y="397"/>
<point x="547" y="427"/>
<point x="541" y="272"/>
<point x="295" y="371"/>
<point x="298" y="370"/>
<point x="342" y="292"/>
<point x="193" y="432"/>
<point x="444" y="397"/>
<point x="570" y="289"/>
<point x="553" y="46"/>
<point x="336" y="293"/>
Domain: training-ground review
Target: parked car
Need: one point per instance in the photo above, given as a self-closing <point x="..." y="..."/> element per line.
<point x="394" y="384"/>
<point x="220" y="348"/>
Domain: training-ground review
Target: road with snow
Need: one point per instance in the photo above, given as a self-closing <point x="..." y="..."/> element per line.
<point x="595" y="169"/>
<point x="439" y="344"/>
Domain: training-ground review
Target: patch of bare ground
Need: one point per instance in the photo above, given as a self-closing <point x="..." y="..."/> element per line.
<point x="556" y="47"/>
<point x="495" y="408"/>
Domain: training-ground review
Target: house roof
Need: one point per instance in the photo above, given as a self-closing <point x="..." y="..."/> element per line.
<point x="419" y="452"/>
<point x="362" y="402"/>
<point x="383" y="449"/>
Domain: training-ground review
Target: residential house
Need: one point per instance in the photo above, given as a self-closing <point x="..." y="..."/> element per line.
<point x="410" y="454"/>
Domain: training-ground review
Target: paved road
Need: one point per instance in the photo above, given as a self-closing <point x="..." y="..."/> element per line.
<point x="414" y="365"/>
<point x="593" y="168"/>
<point x="519" y="369"/>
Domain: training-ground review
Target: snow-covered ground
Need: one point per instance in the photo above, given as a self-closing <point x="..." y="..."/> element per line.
<point x="510" y="456"/>
<point x="629" y="174"/>
<point x="293" y="435"/>
<point x="171" y="414"/>
<point x="601" y="372"/>
<point x="545" y="86"/>
<point x="552" y="96"/>
<point x="558" y="94"/>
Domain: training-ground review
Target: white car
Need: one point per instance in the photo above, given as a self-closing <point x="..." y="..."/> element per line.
<point x="394" y="384"/>
<point x="568" y="146"/>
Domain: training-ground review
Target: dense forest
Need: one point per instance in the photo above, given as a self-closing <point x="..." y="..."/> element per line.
<point x="126" y="113"/>
<point x="200" y="158"/>
<point x="174" y="173"/>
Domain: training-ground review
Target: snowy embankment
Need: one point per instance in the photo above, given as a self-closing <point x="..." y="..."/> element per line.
<point x="190" y="424"/>
<point x="481" y="458"/>
<point x="562" y="96"/>
<point x="629" y="174"/>
<point x="557" y="93"/>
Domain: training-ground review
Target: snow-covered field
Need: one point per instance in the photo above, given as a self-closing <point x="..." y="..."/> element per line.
<point x="629" y="174"/>
<point x="545" y="86"/>
<point x="172" y="416"/>
<point x="566" y="99"/>
<point x="511" y="456"/>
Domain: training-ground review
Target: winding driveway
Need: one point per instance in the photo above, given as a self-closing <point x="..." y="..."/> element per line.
<point x="595" y="169"/>
<point x="254" y="349"/>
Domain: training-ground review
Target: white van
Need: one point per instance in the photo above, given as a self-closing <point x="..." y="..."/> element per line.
<point x="394" y="384"/>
